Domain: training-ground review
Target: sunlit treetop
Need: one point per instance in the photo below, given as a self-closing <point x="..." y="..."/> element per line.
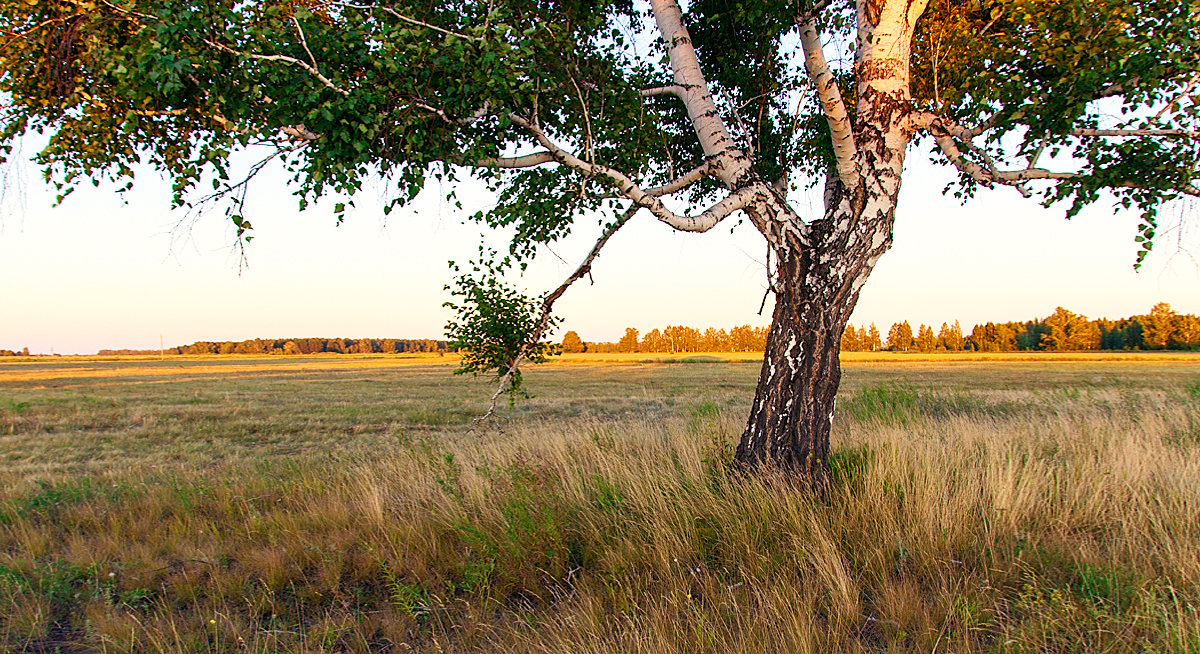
<point x="1028" y="82"/>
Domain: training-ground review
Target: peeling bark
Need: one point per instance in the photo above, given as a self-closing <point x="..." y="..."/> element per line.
<point x="793" y="406"/>
<point x="822" y="263"/>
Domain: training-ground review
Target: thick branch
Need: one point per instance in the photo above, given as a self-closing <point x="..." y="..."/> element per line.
<point x="523" y="161"/>
<point x="300" y="132"/>
<point x="812" y="12"/>
<point x="670" y="89"/>
<point x="630" y="189"/>
<point x="681" y="182"/>
<point x="832" y="103"/>
<point x="730" y="164"/>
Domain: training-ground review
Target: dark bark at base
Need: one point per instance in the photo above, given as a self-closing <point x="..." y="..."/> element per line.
<point x="790" y="420"/>
<point x="793" y="406"/>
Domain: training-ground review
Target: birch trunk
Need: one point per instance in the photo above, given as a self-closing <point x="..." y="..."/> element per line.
<point x="816" y="290"/>
<point x="794" y="403"/>
<point x="818" y="278"/>
<point x="821" y="264"/>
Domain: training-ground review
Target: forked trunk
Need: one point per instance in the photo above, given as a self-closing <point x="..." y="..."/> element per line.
<point x="820" y="273"/>
<point x="816" y="289"/>
<point x="823" y="263"/>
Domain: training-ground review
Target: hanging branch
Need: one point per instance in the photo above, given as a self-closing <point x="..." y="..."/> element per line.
<point x="584" y="268"/>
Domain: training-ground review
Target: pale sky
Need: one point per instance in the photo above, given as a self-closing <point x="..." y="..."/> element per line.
<point x="98" y="273"/>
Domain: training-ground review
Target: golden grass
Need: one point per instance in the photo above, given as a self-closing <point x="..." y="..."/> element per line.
<point x="891" y="358"/>
<point x="202" y="367"/>
<point x="22" y="370"/>
<point x="1000" y="507"/>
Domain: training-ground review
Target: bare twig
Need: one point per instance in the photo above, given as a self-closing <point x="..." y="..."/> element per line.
<point x="1187" y="89"/>
<point x="770" y="283"/>
<point x="304" y="41"/>
<point x="1164" y="133"/>
<point x="476" y="115"/>
<point x="587" y="121"/>
<point x="312" y="70"/>
<point x="410" y="20"/>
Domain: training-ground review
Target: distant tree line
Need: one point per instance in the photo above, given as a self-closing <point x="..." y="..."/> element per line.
<point x="15" y="353"/>
<point x="303" y="346"/>
<point x="676" y="338"/>
<point x="1061" y="331"/>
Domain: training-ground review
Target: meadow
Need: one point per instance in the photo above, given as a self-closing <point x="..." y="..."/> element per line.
<point x="343" y="503"/>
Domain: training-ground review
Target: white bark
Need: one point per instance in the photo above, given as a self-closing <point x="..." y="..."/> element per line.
<point x="763" y="202"/>
<point x="840" y="127"/>
<point x="629" y="189"/>
<point x="729" y="164"/>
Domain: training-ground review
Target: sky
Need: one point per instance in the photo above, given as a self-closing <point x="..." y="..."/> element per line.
<point x="106" y="271"/>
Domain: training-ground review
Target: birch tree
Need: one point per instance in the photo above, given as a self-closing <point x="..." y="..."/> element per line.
<point x="572" y="110"/>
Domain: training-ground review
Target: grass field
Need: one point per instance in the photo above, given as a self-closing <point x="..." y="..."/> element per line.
<point x="341" y="503"/>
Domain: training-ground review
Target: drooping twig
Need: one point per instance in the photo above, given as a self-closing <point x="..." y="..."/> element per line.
<point x="548" y="306"/>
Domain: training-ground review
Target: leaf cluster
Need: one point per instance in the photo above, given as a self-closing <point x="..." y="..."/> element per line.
<point x="1038" y="72"/>
<point x="496" y="327"/>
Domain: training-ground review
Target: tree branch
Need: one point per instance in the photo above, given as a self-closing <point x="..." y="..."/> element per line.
<point x="548" y="306"/>
<point x="630" y="190"/>
<point x="812" y="12"/>
<point x="731" y="165"/>
<point x="1166" y="133"/>
<point x="834" y="106"/>
<point x="304" y="42"/>
<point x="451" y="120"/>
<point x="522" y="161"/>
<point x="681" y="182"/>
<point x="300" y="132"/>
<point x="670" y="89"/>
<point x="1187" y="89"/>
<point x="989" y="176"/>
<point x="284" y="58"/>
<point x="407" y="19"/>
<point x="947" y="134"/>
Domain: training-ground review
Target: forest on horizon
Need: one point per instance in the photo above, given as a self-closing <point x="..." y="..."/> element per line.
<point x="1062" y="331"/>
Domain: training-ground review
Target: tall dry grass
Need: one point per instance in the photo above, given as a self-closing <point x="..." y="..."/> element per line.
<point x="1050" y="520"/>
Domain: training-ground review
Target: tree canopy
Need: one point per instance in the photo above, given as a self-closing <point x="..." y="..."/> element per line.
<point x="412" y="91"/>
